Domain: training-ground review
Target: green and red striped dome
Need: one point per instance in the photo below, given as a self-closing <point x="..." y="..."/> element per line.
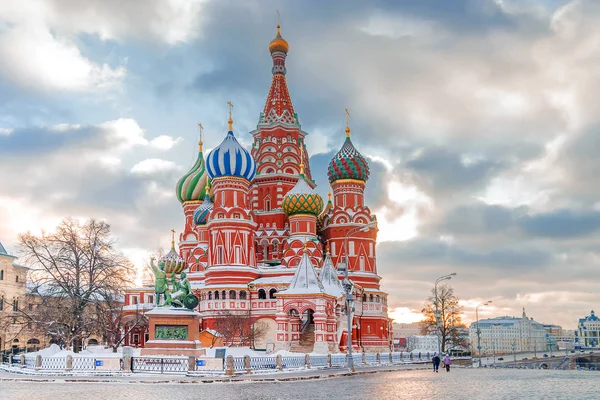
<point x="348" y="163"/>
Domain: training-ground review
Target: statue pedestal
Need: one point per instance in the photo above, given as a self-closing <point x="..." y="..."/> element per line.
<point x="173" y="332"/>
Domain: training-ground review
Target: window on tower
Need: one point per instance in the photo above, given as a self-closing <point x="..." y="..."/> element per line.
<point x="232" y="294"/>
<point x="216" y="295"/>
<point x="262" y="295"/>
<point x="268" y="205"/>
<point x="243" y="295"/>
<point x="272" y="293"/>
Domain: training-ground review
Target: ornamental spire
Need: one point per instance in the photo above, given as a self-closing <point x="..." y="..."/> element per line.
<point x="200" y="142"/>
<point x="347" y="126"/>
<point x="172" y="239"/>
<point x="230" y="120"/>
<point x="278" y="107"/>
<point x="301" y="161"/>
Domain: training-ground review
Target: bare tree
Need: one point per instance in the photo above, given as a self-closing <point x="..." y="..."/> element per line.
<point x="239" y="328"/>
<point x="72" y="270"/>
<point x="450" y="312"/>
<point x="113" y="324"/>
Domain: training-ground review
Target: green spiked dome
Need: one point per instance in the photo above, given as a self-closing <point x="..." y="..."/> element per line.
<point x="301" y="199"/>
<point x="192" y="186"/>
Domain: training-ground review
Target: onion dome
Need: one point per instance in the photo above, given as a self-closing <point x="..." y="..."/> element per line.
<point x="230" y="159"/>
<point x="302" y="199"/>
<point x="172" y="261"/>
<point x="348" y="163"/>
<point x="279" y="43"/>
<point x="193" y="185"/>
<point x="203" y="211"/>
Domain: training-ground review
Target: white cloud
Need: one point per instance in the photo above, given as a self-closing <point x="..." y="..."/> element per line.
<point x="164" y="142"/>
<point x="34" y="57"/>
<point x="124" y="133"/>
<point x="153" y="165"/>
<point x="6" y="131"/>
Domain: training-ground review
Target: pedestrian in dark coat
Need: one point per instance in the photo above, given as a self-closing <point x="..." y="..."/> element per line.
<point x="436" y="362"/>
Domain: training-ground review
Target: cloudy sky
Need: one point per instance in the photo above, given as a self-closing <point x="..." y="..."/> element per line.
<point x="477" y="117"/>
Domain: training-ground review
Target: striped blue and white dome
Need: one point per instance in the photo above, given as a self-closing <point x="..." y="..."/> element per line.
<point x="230" y="159"/>
<point x="203" y="211"/>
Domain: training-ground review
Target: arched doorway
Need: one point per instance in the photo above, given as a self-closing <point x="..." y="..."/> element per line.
<point x="308" y="317"/>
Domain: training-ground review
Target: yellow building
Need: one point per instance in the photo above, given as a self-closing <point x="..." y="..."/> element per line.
<point x="13" y="290"/>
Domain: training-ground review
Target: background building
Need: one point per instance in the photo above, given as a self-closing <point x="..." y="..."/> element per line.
<point x="588" y="331"/>
<point x="509" y="334"/>
<point x="401" y="332"/>
<point x="15" y="337"/>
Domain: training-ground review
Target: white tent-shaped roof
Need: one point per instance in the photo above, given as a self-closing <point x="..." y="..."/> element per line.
<point x="305" y="280"/>
<point x="329" y="278"/>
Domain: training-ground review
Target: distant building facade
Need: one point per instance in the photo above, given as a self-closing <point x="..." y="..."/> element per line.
<point x="423" y="343"/>
<point x="509" y="334"/>
<point x="13" y="297"/>
<point x="588" y="331"/>
<point x="401" y="333"/>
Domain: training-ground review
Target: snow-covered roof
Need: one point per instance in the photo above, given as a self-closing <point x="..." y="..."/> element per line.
<point x="329" y="278"/>
<point x="305" y="280"/>
<point x="272" y="280"/>
<point x="225" y="286"/>
<point x="143" y="306"/>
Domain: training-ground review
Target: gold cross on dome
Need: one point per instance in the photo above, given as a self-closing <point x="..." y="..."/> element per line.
<point x="173" y="238"/>
<point x="230" y="109"/>
<point x="230" y="121"/>
<point x="201" y="129"/>
<point x="347" y="127"/>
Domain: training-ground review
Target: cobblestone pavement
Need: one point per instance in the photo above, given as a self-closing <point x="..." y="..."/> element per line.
<point x="413" y="384"/>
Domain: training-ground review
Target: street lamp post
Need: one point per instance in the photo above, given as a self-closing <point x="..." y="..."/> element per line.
<point x="348" y="290"/>
<point x="478" y="331"/>
<point x="437" y="312"/>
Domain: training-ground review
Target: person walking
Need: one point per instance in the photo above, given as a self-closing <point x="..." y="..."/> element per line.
<point x="447" y="362"/>
<point x="436" y="362"/>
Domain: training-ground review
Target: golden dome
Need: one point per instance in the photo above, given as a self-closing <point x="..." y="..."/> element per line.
<point x="279" y="43"/>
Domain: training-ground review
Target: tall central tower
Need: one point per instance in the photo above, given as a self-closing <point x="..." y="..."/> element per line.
<point x="279" y="150"/>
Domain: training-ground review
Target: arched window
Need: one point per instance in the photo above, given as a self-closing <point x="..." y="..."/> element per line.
<point x="270" y="171"/>
<point x="377" y="299"/>
<point x="232" y="295"/>
<point x="210" y="295"/>
<point x="1" y="303"/>
<point x="216" y="295"/>
<point x="223" y="294"/>
<point x="16" y="304"/>
<point x="275" y="248"/>
<point x="272" y="293"/>
<point x="1" y="275"/>
<point x="265" y="250"/>
<point x="243" y="295"/>
<point x="262" y="295"/>
<point x="364" y="298"/>
<point x="371" y="298"/>
<point x="91" y="342"/>
<point x="36" y="341"/>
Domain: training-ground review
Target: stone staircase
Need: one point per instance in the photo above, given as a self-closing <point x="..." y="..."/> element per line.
<point x="307" y="340"/>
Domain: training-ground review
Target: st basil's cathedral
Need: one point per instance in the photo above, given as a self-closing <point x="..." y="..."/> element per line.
<point x="260" y="241"/>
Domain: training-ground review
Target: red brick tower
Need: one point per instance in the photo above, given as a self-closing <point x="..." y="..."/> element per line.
<point x="278" y="149"/>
